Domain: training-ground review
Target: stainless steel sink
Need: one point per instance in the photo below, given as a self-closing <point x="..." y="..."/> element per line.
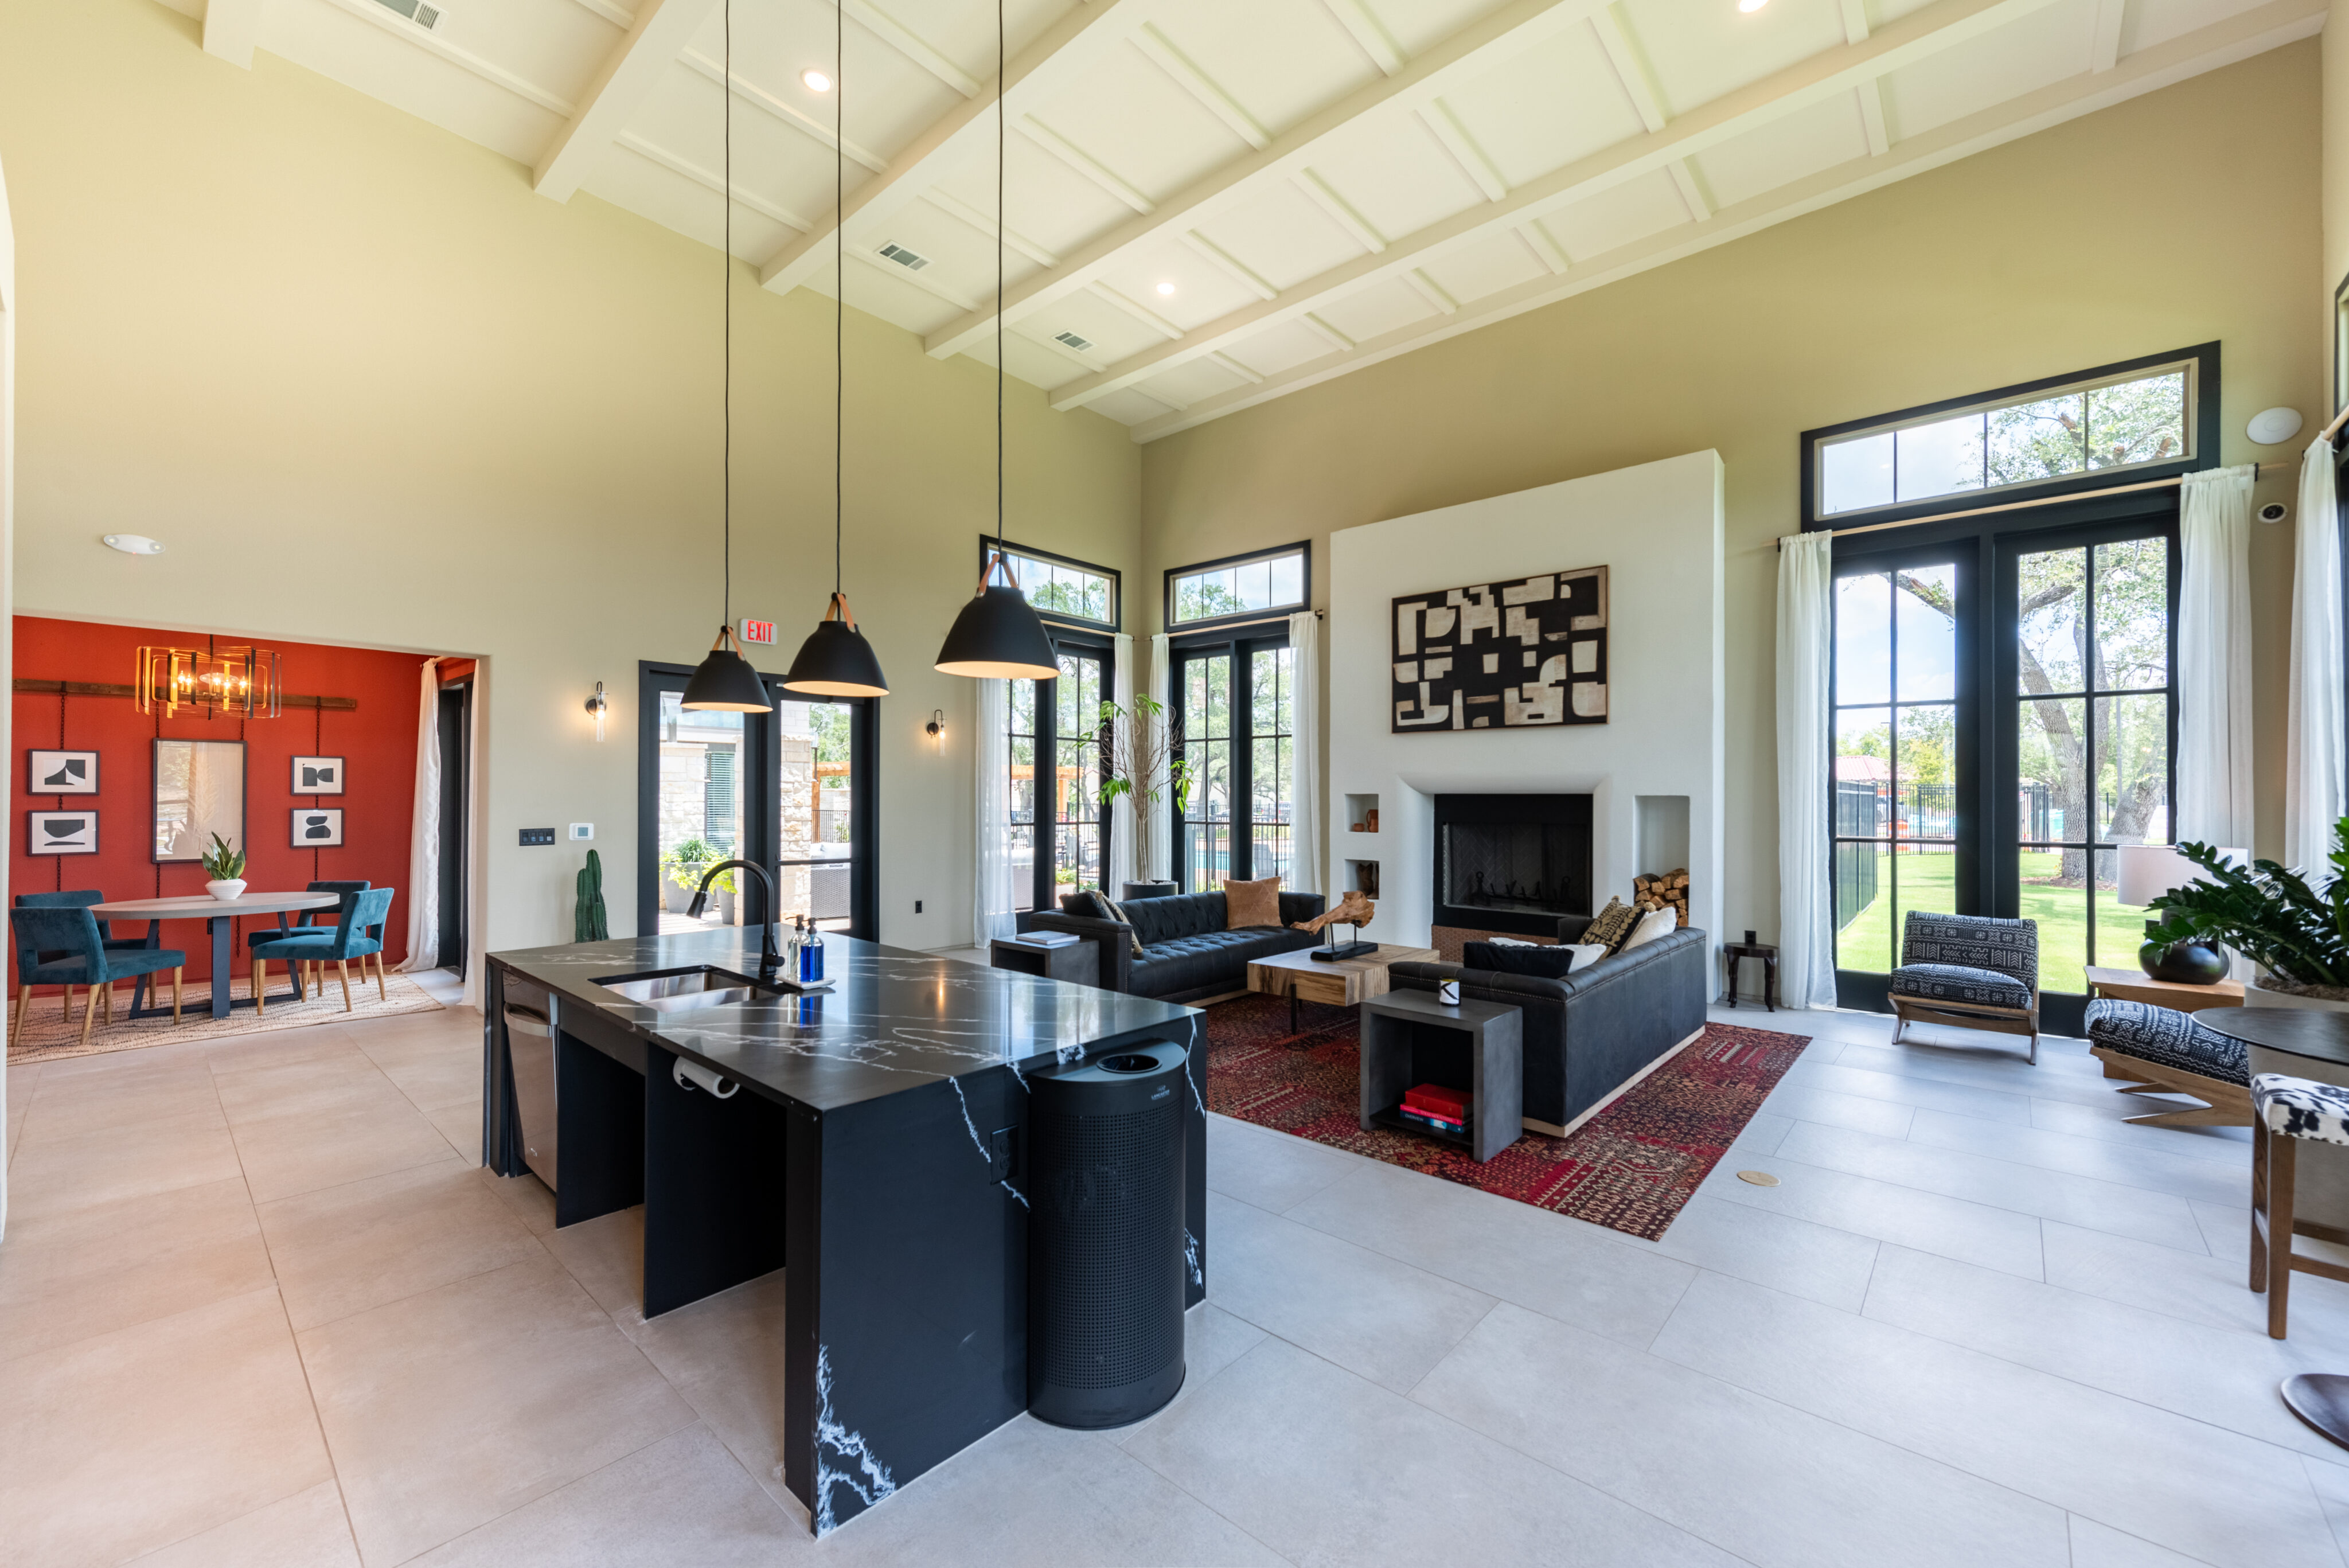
<point x="675" y="989"/>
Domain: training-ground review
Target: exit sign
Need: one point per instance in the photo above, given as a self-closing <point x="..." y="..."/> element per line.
<point x="759" y="631"/>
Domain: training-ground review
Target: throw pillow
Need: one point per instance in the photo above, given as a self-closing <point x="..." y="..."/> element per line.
<point x="1551" y="962"/>
<point x="1585" y="953"/>
<point x="1653" y="924"/>
<point x="1255" y="903"/>
<point x="1110" y="910"/>
<point x="1612" y="925"/>
<point x="1511" y="942"/>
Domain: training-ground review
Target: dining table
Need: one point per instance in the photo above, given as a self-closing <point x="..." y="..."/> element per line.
<point x="221" y="915"/>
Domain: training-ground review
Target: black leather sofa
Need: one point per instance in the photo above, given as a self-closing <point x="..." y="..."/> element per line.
<point x="1588" y="1031"/>
<point x="1186" y="953"/>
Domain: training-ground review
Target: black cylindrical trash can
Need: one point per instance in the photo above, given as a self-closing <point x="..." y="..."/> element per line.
<point x="1105" y="1242"/>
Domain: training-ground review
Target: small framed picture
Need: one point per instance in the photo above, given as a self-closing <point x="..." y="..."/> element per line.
<point x="317" y="829"/>
<point x="61" y="831"/>
<point x="317" y="775"/>
<point x="62" y="773"/>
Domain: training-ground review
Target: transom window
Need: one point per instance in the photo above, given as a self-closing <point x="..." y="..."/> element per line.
<point x="1061" y="588"/>
<point x="1267" y="582"/>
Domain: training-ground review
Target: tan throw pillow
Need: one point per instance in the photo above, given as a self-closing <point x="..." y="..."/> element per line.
<point x="1255" y="903"/>
<point x="1613" y="924"/>
<point x="1112" y="911"/>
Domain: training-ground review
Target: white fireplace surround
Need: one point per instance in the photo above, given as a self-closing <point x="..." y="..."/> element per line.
<point x="1654" y="771"/>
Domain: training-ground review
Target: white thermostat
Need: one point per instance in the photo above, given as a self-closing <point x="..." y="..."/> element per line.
<point x="583" y="830"/>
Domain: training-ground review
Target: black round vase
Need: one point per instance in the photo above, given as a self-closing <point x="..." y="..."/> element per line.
<point x="2190" y="963"/>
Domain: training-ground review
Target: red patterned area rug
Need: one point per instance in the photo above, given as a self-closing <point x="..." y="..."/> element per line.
<point x="1629" y="1167"/>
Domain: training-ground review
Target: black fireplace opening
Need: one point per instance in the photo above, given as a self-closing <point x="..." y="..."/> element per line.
<point x="1511" y="862"/>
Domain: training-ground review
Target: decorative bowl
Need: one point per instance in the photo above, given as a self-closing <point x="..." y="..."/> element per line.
<point x="2190" y="963"/>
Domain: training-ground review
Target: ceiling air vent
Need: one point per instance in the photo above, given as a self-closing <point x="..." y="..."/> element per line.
<point x="426" y="16"/>
<point x="1072" y="340"/>
<point x="912" y="261"/>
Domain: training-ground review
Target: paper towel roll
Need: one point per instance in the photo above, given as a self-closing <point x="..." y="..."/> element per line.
<point x="694" y="1075"/>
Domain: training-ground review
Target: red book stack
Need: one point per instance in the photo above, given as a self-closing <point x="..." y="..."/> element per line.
<point x="1434" y="1106"/>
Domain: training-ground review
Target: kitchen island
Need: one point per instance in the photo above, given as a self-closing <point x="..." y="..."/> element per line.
<point x="874" y="1151"/>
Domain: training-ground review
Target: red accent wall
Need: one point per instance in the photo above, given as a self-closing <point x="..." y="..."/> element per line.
<point x="378" y="742"/>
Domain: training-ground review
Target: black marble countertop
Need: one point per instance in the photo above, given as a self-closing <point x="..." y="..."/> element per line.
<point x="895" y="1019"/>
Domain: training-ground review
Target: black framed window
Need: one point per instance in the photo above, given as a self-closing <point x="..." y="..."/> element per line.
<point x="1058" y="834"/>
<point x="1233" y="702"/>
<point x="1063" y="591"/>
<point x="1258" y="586"/>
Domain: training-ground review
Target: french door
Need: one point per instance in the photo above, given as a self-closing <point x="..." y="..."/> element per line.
<point x="1059" y="833"/>
<point x="1234" y="705"/>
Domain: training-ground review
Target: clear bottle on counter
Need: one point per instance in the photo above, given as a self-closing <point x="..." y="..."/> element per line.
<point x="790" y="955"/>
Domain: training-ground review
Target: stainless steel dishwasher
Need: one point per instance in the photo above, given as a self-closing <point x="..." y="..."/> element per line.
<point x="530" y="1046"/>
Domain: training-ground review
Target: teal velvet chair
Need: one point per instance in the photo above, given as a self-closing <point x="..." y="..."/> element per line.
<point x="348" y="939"/>
<point x="65" y="948"/>
<point x="80" y="898"/>
<point x="309" y="917"/>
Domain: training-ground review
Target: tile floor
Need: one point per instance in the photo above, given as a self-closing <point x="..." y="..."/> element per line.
<point x="260" y="1306"/>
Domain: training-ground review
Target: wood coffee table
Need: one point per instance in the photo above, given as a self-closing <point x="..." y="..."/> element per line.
<point x="1346" y="982"/>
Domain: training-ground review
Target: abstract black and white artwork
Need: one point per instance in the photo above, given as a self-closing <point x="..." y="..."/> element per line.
<point x="61" y="833"/>
<point x="315" y="829"/>
<point x="317" y="775"/>
<point x="61" y="772"/>
<point x="1503" y="656"/>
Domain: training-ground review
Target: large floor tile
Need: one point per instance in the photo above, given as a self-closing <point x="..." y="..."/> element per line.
<point x="1368" y="1313"/>
<point x="1953" y="1226"/>
<point x="278" y="1047"/>
<point x="344" y="1249"/>
<point x="1832" y="1107"/>
<point x="307" y="1530"/>
<point x="2229" y="1147"/>
<point x="1502" y="1248"/>
<point x="2331" y="1484"/>
<point x="1271" y="1171"/>
<point x="1904" y="1089"/>
<point x="1770" y="1249"/>
<point x="461" y="1123"/>
<point x="448" y="1408"/>
<point x="1331" y="1471"/>
<point x="725" y="1353"/>
<point x="1762" y="1133"/>
<point x="2146" y="1164"/>
<point x="2000" y="1183"/>
<point x="127" y="1442"/>
<point x="94" y="1169"/>
<point x="122" y="1102"/>
<point x="285" y="1154"/>
<point x="2096" y="1545"/>
<point x="2189" y="1486"/>
<point x="526" y="1195"/>
<point x="2205" y="1288"/>
<point x="430" y="1071"/>
<point x="1987" y="1068"/>
<point x="1775" y="1486"/>
<point x="68" y="1274"/>
<point x="1212" y="1340"/>
<point x="326" y="1084"/>
<point x="607" y="1255"/>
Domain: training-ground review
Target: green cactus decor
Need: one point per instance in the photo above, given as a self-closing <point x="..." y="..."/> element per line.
<point x="587" y="920"/>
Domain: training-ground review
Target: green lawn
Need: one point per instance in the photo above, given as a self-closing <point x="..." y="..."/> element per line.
<point x="1871" y="941"/>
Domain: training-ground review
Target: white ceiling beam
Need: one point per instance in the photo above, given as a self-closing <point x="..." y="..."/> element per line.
<point x="408" y="33"/>
<point x="1205" y="89"/>
<point x="1366" y="30"/>
<point x="1139" y="311"/>
<point x="1461" y="59"/>
<point x="806" y="124"/>
<point x="927" y="284"/>
<point x="1855" y="21"/>
<point x="1067" y="50"/>
<point x="1083" y="163"/>
<point x="230" y="29"/>
<point x="1318" y="192"/>
<point x="1871" y="118"/>
<point x="1215" y="255"/>
<point x="2223" y="43"/>
<point x="631" y="70"/>
<point x="898" y="37"/>
<point x="1434" y="292"/>
<point x="1324" y="331"/>
<point x="708" y="179"/>
<point x="1631" y="65"/>
<point x="1692" y="196"/>
<point x="620" y="17"/>
<point x="1437" y="116"/>
<point x="1918" y="36"/>
<point x="1226" y="363"/>
<point x="1545" y="246"/>
<point x="2105" y="45"/>
<point x="955" y="207"/>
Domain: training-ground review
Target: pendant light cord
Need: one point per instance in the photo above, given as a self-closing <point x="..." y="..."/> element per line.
<point x="1001" y="110"/>
<point x="726" y="260"/>
<point x="839" y="277"/>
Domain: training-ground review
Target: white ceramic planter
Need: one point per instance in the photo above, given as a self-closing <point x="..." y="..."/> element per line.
<point x="227" y="891"/>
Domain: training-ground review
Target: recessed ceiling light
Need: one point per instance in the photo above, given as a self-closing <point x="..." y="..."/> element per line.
<point x="1750" y="6"/>
<point x="817" y="81"/>
<point x="1165" y="288"/>
<point x="132" y="543"/>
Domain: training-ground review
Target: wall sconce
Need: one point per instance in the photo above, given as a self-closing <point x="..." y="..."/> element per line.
<point x="936" y="729"/>
<point x="596" y="705"/>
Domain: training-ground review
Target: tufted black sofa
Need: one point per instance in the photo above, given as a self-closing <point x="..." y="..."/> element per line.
<point x="1186" y="953"/>
<point x="1586" y="1033"/>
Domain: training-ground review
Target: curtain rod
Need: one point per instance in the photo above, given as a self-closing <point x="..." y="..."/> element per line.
<point x="2334" y="428"/>
<point x="2259" y="471"/>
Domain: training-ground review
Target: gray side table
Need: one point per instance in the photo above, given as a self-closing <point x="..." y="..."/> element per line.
<point x="1496" y="1040"/>
<point x="1078" y="962"/>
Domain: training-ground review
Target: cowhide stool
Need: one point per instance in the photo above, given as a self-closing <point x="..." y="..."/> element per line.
<point x="2285" y="1110"/>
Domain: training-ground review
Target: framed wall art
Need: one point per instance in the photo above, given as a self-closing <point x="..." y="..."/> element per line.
<point x="61" y="833"/>
<point x="1514" y="654"/>
<point x="199" y="792"/>
<point x="317" y="828"/>
<point x="61" y="772"/>
<point x="318" y="775"/>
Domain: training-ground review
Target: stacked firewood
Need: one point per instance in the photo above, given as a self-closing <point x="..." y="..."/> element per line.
<point x="1663" y="890"/>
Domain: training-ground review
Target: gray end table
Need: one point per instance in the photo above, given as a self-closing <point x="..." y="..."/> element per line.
<point x="1078" y="962"/>
<point x="1496" y="1040"/>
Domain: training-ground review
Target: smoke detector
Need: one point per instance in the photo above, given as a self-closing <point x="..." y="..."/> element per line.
<point x="912" y="261"/>
<point x="429" y="16"/>
<point x="1072" y="340"/>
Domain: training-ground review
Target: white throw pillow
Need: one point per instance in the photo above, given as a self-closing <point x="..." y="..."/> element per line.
<point x="1585" y="954"/>
<point x="1653" y="924"/>
<point x="1511" y="942"/>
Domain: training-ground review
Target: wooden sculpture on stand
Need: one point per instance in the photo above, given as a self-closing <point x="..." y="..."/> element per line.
<point x="1354" y="910"/>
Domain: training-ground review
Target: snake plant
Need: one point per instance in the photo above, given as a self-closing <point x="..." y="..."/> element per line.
<point x="222" y="864"/>
<point x="2267" y="912"/>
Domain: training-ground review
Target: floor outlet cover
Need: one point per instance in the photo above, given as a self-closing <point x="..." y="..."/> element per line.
<point x="1758" y="1177"/>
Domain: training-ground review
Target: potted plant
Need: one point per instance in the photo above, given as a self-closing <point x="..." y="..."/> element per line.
<point x="2298" y="935"/>
<point x="682" y="870"/>
<point x="1141" y="759"/>
<point x="225" y="867"/>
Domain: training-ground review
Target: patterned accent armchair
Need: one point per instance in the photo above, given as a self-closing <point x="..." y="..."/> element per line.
<point x="2164" y="1052"/>
<point x="1970" y="971"/>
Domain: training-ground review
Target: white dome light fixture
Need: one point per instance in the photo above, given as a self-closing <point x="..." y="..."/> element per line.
<point x="1165" y="288"/>
<point x="132" y="543"/>
<point x="816" y="80"/>
<point x="2273" y="427"/>
<point x="1750" y="6"/>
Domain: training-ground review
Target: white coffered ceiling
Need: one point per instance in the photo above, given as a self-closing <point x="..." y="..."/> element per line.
<point x="1227" y="200"/>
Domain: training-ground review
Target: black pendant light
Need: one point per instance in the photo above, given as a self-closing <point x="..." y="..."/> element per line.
<point x="724" y="681"/>
<point x="835" y="660"/>
<point x="998" y="636"/>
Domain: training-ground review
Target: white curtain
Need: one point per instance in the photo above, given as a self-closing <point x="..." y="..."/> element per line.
<point x="424" y="843"/>
<point x="991" y="901"/>
<point x="2214" y="657"/>
<point x="1305" y="731"/>
<point x="1123" y="863"/>
<point x="1805" y="898"/>
<point x="1160" y="866"/>
<point x="2313" y="798"/>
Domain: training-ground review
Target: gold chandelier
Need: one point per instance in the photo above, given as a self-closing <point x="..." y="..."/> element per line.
<point x="220" y="682"/>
